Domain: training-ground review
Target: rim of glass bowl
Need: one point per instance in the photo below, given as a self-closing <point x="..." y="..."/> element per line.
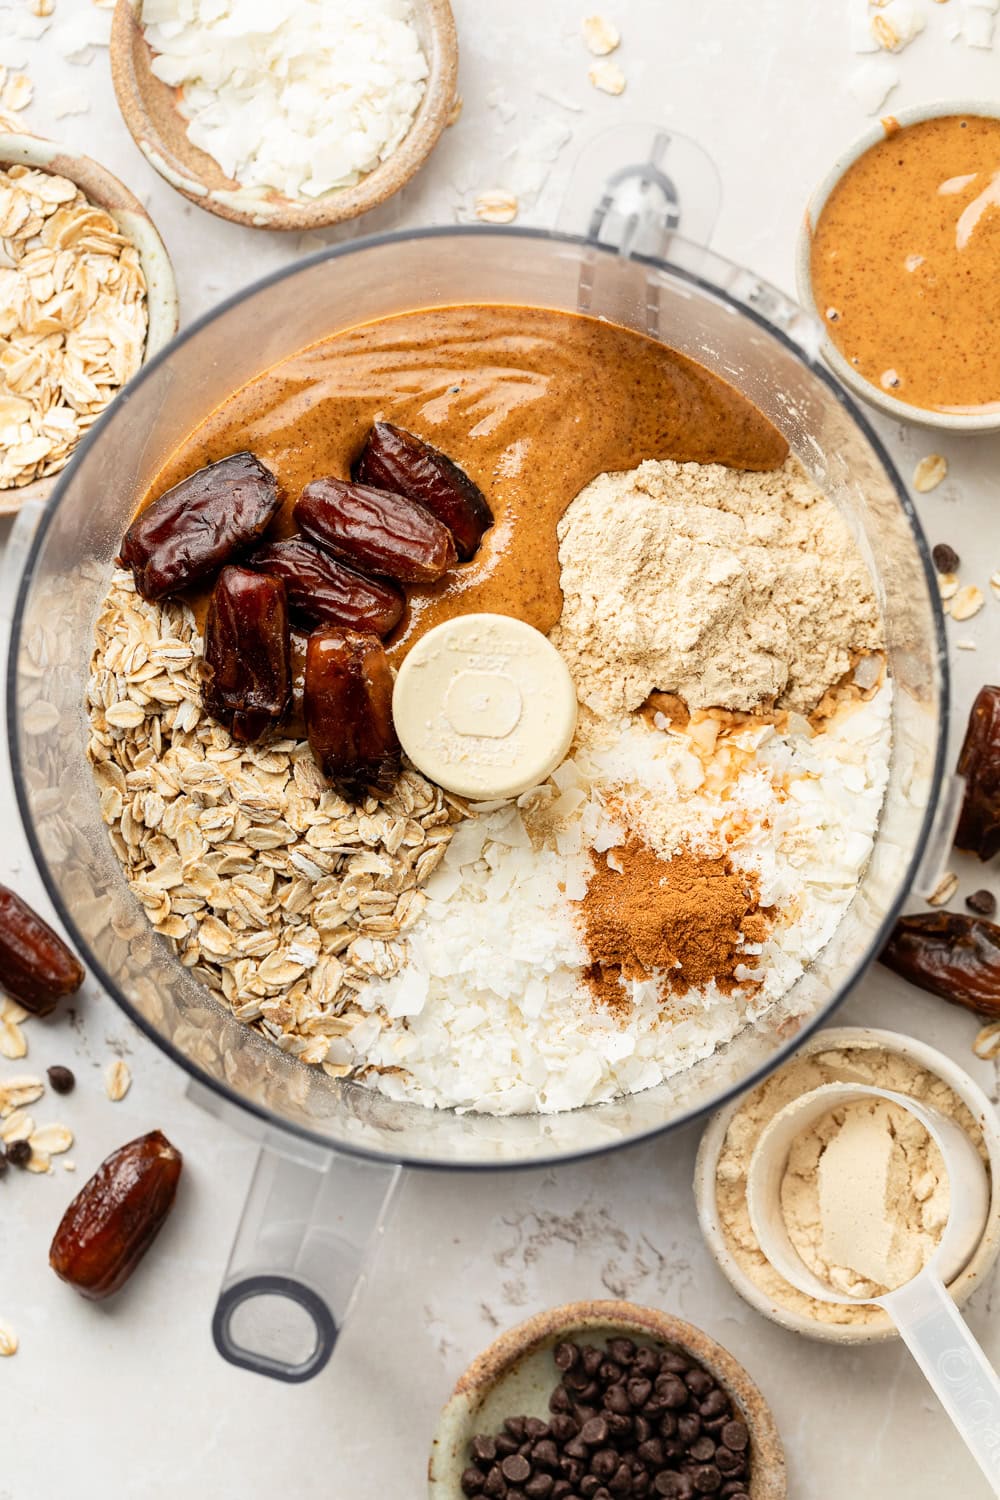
<point x="785" y="1049"/>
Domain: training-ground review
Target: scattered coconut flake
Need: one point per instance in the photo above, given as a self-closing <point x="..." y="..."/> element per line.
<point x="944" y="890"/>
<point x="872" y="82"/>
<point x="86" y="28"/>
<point x="69" y="1165"/>
<point x="965" y="645"/>
<point x="358" y="76"/>
<point x="607" y="76"/>
<point x="8" y="1340"/>
<point x="977" y="26"/>
<point x="117" y="1079"/>
<point x="495" y="207"/>
<point x="600" y="35"/>
<point x="967" y="602"/>
<point x="72" y="100"/>
<point x="563" y="100"/>
<point x="859" y="31"/>
<point x="454" y="114"/>
<point x="929" y="473"/>
<point x="896" y="24"/>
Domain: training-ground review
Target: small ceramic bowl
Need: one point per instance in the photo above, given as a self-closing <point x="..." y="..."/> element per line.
<point x="988" y="421"/>
<point x="104" y="190"/>
<point x="150" y="110"/>
<point x="515" y="1376"/>
<point x="879" y="1328"/>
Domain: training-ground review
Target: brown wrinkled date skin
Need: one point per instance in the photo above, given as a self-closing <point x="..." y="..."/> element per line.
<point x="116" y="1216"/>
<point x="376" y="531"/>
<point x="979" y="824"/>
<point x="348" y="711"/>
<point x="248" y="682"/>
<point x="36" y="967"/>
<point x="322" y="591"/>
<point x="205" y="521"/>
<point x="393" y="459"/>
<point x="951" y="955"/>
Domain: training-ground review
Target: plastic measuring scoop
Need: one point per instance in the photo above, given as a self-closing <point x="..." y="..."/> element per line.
<point x="928" y="1321"/>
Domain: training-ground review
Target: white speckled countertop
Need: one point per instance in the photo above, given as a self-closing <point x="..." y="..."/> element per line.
<point x="131" y="1399"/>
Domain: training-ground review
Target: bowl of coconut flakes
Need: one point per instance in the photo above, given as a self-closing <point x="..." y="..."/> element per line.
<point x="292" y="116"/>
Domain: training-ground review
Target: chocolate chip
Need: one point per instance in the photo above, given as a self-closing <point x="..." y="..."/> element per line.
<point x="589" y="1485"/>
<point x="594" y="1432"/>
<point x="616" y="1399"/>
<point x="714" y="1425"/>
<point x="561" y="1489"/>
<point x="576" y="1447"/>
<point x="566" y="1356"/>
<point x="516" y="1468"/>
<point x="539" y="1487"/>
<point x="545" y="1454"/>
<point x="506" y="1445"/>
<point x="735" y="1434"/>
<point x="642" y="1428"/>
<point x="728" y="1461"/>
<point x="639" y="1392"/>
<point x="946" y="559"/>
<point x="484" y="1449"/>
<point x="620" y="1482"/>
<point x="535" y="1428"/>
<point x="63" y="1080"/>
<point x="495" y="1485"/>
<point x="688" y="1427"/>
<point x="592" y="1360"/>
<point x="560" y="1400"/>
<point x="702" y="1449"/>
<point x="706" y="1479"/>
<point x="621" y="1350"/>
<point x="673" y="1390"/>
<point x="983" y="903"/>
<point x="564" y="1427"/>
<point x="619" y="1426"/>
<point x="651" y="1452"/>
<point x="472" y="1481"/>
<point x="604" y="1463"/>
<point x="572" y="1470"/>
<point x="699" y="1382"/>
<point x="734" y="1490"/>
<point x="19" y="1153"/>
<point x="668" y="1425"/>
<point x="674" y="1363"/>
<point x="714" y="1404"/>
<point x="515" y="1427"/>
<point x="674" y="1486"/>
<point x="647" y="1362"/>
<point x="610" y="1372"/>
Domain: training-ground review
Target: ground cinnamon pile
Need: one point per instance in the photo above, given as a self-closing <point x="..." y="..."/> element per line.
<point x="686" y="918"/>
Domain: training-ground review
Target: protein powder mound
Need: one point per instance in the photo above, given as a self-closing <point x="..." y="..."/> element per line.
<point x="871" y="1065"/>
<point x="733" y="590"/>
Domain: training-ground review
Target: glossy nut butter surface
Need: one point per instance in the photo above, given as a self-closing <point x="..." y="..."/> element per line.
<point x="905" y="264"/>
<point x="531" y="402"/>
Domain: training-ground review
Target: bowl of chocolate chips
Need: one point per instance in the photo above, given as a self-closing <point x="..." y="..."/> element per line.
<point x="602" y="1401"/>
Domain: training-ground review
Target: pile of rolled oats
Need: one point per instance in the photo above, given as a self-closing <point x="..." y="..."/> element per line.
<point x="72" y="319"/>
<point x="277" y="893"/>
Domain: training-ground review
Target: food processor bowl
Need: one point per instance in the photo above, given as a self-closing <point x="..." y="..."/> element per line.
<point x="720" y="315"/>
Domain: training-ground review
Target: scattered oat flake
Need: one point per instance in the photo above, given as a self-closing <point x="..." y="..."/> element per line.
<point x="69" y="101"/>
<point x="965" y="645"/>
<point x="17" y="92"/>
<point x="8" y="1340"/>
<point x="929" y="473"/>
<point x="52" y="1139"/>
<point x="42" y="7"/>
<point x="987" y="1043"/>
<point x="967" y="602"/>
<point x="600" y="35"/>
<point x="117" y="1079"/>
<point x="607" y="76"/>
<point x="947" y="585"/>
<point x="12" y="1041"/>
<point x="944" y="890"/>
<point x="496" y="207"/>
<point x="995" y="584"/>
<point x="19" y="1091"/>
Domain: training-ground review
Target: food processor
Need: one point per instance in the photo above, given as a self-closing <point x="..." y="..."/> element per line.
<point x="332" y="1150"/>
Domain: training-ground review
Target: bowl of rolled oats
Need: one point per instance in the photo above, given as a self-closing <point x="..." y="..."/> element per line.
<point x="87" y="294"/>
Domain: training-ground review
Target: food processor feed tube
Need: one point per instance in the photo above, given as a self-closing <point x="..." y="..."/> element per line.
<point x="315" y="1210"/>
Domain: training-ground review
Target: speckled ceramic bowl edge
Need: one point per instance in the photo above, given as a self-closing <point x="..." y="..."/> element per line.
<point x="104" y="189"/>
<point x="914" y="415"/>
<point x="457" y="1423"/>
<point x="714" y="1135"/>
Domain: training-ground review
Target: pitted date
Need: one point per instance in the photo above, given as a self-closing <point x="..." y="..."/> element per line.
<point x="36" y="967"/>
<point x="979" y="823"/>
<point x="951" y="955"/>
<point x="116" y="1216"/>
<point x="394" y="459"/>
<point x="208" y="519"/>
<point x="348" y="711"/>
<point x="322" y="591"/>
<point x="376" y="531"/>
<point x="248" y="683"/>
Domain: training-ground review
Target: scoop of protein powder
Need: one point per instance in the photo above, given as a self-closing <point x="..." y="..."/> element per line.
<point x="485" y="706"/>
